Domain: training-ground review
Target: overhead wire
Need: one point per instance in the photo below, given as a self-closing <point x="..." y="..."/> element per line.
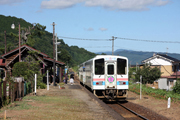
<point x="132" y="39"/>
<point x="85" y="39"/>
<point x="147" y="40"/>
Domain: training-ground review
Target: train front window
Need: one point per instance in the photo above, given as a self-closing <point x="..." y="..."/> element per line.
<point x="110" y="69"/>
<point x="99" y="67"/>
<point x="121" y="66"/>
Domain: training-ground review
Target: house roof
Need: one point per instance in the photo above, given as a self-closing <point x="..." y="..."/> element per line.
<point x="176" y="73"/>
<point x="168" y="57"/>
<point x="57" y="62"/>
<point x="163" y="56"/>
<point x="23" y="46"/>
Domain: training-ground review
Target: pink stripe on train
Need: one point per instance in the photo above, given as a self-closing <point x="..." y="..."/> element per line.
<point x="122" y="79"/>
<point x="98" y="79"/>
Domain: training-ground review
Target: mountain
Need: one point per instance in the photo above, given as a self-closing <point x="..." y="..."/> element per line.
<point x="137" y="56"/>
<point x="40" y="40"/>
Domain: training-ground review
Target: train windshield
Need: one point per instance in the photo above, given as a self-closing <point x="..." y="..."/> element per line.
<point x="121" y="66"/>
<point x="99" y="67"/>
<point x="110" y="69"/>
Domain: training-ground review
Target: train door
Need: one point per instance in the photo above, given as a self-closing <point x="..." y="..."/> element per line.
<point x="84" y="75"/>
<point x="110" y="75"/>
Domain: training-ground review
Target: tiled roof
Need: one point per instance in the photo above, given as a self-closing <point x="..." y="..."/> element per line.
<point x="21" y="48"/>
<point x="176" y="73"/>
<point x="163" y="56"/>
<point x="50" y="59"/>
<point x="168" y="57"/>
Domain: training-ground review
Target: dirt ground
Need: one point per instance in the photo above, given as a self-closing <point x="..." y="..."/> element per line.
<point x="75" y="104"/>
<point x="157" y="105"/>
<point x="56" y="104"/>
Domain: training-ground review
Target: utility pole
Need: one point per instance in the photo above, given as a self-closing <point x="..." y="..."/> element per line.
<point x="5" y="40"/>
<point x="112" y="45"/>
<point x="19" y="43"/>
<point x="54" y="54"/>
<point x="113" y="38"/>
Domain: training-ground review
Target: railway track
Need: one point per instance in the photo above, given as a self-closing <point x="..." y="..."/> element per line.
<point x="130" y="111"/>
<point x="127" y="113"/>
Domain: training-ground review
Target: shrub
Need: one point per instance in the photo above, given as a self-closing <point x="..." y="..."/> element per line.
<point x="176" y="88"/>
<point x="41" y="85"/>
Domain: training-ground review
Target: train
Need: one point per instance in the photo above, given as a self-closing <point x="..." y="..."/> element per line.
<point x="106" y="76"/>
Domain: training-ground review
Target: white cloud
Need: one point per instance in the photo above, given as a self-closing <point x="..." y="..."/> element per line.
<point x="126" y="5"/>
<point x="10" y="2"/>
<point x="103" y="29"/>
<point x="59" y="4"/>
<point x="89" y="29"/>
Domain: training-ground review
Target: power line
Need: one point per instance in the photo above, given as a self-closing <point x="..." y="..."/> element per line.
<point x="148" y="40"/>
<point x="131" y="39"/>
<point x="85" y="39"/>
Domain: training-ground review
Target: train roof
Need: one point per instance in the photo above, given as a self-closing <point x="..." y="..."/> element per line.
<point x="108" y="56"/>
<point x="105" y="56"/>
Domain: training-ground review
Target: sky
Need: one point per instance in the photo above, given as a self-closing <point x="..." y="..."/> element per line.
<point x="144" y="24"/>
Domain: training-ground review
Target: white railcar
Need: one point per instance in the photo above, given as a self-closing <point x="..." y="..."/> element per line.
<point x="106" y="75"/>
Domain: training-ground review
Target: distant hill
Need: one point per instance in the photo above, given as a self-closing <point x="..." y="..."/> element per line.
<point x="137" y="56"/>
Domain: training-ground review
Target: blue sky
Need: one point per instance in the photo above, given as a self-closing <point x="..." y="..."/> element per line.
<point x="156" y="20"/>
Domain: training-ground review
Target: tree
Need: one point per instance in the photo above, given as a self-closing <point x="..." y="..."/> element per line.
<point x="29" y="68"/>
<point x="149" y="74"/>
<point x="20" y="69"/>
<point x="176" y="88"/>
<point x="65" y="56"/>
<point x="131" y="71"/>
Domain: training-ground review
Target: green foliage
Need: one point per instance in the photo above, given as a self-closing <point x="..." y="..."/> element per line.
<point x="103" y="53"/>
<point x="157" y="93"/>
<point x="41" y="85"/>
<point x="40" y="40"/>
<point x="131" y="71"/>
<point x="176" y="88"/>
<point x="149" y="75"/>
<point x="28" y="69"/>
<point x="20" y="69"/>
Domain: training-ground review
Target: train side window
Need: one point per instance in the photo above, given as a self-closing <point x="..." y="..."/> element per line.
<point x="121" y="66"/>
<point x="99" y="67"/>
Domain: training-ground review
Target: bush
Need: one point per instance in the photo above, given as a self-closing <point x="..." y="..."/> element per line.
<point x="176" y="88"/>
<point x="157" y="93"/>
<point x="41" y="85"/>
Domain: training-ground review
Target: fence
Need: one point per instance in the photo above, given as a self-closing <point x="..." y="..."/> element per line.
<point x="10" y="92"/>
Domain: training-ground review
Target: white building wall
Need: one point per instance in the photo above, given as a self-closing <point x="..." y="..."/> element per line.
<point x="162" y="83"/>
<point x="159" y="61"/>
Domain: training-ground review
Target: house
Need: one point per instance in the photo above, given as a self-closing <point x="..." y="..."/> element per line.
<point x="8" y="60"/>
<point x="169" y="67"/>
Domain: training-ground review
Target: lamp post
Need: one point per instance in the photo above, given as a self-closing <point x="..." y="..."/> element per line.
<point x="13" y="27"/>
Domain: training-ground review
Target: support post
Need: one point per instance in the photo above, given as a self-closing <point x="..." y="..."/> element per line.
<point x="54" y="68"/>
<point x="19" y="44"/>
<point x="112" y="45"/>
<point x="47" y="80"/>
<point x="140" y="85"/>
<point x="5" y="40"/>
<point x="35" y="83"/>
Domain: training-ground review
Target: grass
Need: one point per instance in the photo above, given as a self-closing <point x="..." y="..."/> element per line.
<point x="157" y="93"/>
<point x="61" y="84"/>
